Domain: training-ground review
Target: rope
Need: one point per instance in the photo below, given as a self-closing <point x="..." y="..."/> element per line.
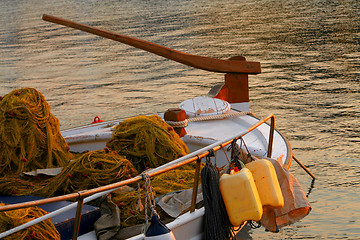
<point x="239" y="157"/>
<point x="215" y="211"/>
<point x="149" y="197"/>
<point x="206" y="118"/>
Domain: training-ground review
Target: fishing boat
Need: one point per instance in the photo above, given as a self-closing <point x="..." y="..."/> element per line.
<point x="212" y="123"/>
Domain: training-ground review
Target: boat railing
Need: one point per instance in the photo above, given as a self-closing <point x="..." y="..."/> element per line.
<point x="85" y="196"/>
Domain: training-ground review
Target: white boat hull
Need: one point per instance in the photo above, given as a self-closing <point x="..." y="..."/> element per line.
<point x="188" y="226"/>
<point x="199" y="135"/>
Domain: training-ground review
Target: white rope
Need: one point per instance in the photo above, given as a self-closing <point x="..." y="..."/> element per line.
<point x="149" y="199"/>
<point x="206" y="118"/>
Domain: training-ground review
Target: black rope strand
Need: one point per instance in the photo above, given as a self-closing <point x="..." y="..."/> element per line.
<point x="217" y="225"/>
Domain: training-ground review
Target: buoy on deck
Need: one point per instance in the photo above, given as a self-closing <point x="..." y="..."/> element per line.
<point x="158" y="230"/>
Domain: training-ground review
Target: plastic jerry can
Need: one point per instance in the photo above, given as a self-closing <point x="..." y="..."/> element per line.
<point x="240" y="197"/>
<point x="266" y="182"/>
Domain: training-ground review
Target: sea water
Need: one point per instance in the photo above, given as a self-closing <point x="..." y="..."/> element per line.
<point x="310" y="80"/>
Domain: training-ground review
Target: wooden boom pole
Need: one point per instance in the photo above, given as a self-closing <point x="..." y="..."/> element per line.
<point x="205" y="63"/>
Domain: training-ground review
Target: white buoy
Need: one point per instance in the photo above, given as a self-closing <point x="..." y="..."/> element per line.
<point x="158" y="230"/>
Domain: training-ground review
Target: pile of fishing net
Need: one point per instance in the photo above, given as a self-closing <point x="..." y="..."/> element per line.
<point x="15" y="185"/>
<point x="147" y="141"/>
<point x="40" y="231"/>
<point x="29" y="134"/>
<point x="90" y="170"/>
<point x="30" y="139"/>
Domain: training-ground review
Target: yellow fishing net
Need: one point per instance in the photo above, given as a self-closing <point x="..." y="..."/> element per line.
<point x="40" y="231"/>
<point x="131" y="202"/>
<point x="30" y="139"/>
<point x="147" y="141"/>
<point x="15" y="185"/>
<point x="29" y="134"/>
<point x="92" y="169"/>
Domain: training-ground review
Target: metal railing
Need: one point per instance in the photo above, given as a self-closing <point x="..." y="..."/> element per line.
<point x="89" y="195"/>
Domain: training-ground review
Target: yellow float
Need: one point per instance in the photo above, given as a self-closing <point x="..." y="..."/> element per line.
<point x="240" y="196"/>
<point x="266" y="182"/>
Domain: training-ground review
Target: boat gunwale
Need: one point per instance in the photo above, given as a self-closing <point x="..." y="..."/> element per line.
<point x="288" y="158"/>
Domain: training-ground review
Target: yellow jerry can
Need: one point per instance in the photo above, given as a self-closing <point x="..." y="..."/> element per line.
<point x="240" y="196"/>
<point x="266" y="182"/>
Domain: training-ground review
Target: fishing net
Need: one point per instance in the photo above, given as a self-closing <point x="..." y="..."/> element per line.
<point x="92" y="169"/>
<point x="29" y="134"/>
<point x="30" y="139"/>
<point x="175" y="180"/>
<point x="147" y="141"/>
<point x="40" y="231"/>
<point x="102" y="167"/>
<point x="132" y="209"/>
<point x="15" y="185"/>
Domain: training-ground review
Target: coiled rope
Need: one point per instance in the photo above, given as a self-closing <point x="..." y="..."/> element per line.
<point x="206" y="118"/>
<point x="215" y="211"/>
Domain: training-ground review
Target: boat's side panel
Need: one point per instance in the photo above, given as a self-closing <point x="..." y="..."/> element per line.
<point x="188" y="226"/>
<point x="89" y="236"/>
<point x="204" y="133"/>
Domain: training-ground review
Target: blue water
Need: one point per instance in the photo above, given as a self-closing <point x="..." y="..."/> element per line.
<point x="310" y="80"/>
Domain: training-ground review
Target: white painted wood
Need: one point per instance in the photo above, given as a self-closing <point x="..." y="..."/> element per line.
<point x="204" y="106"/>
<point x="242" y="107"/>
<point x="186" y="227"/>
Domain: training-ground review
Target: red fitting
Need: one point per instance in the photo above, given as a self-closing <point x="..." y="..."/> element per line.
<point x="97" y="120"/>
